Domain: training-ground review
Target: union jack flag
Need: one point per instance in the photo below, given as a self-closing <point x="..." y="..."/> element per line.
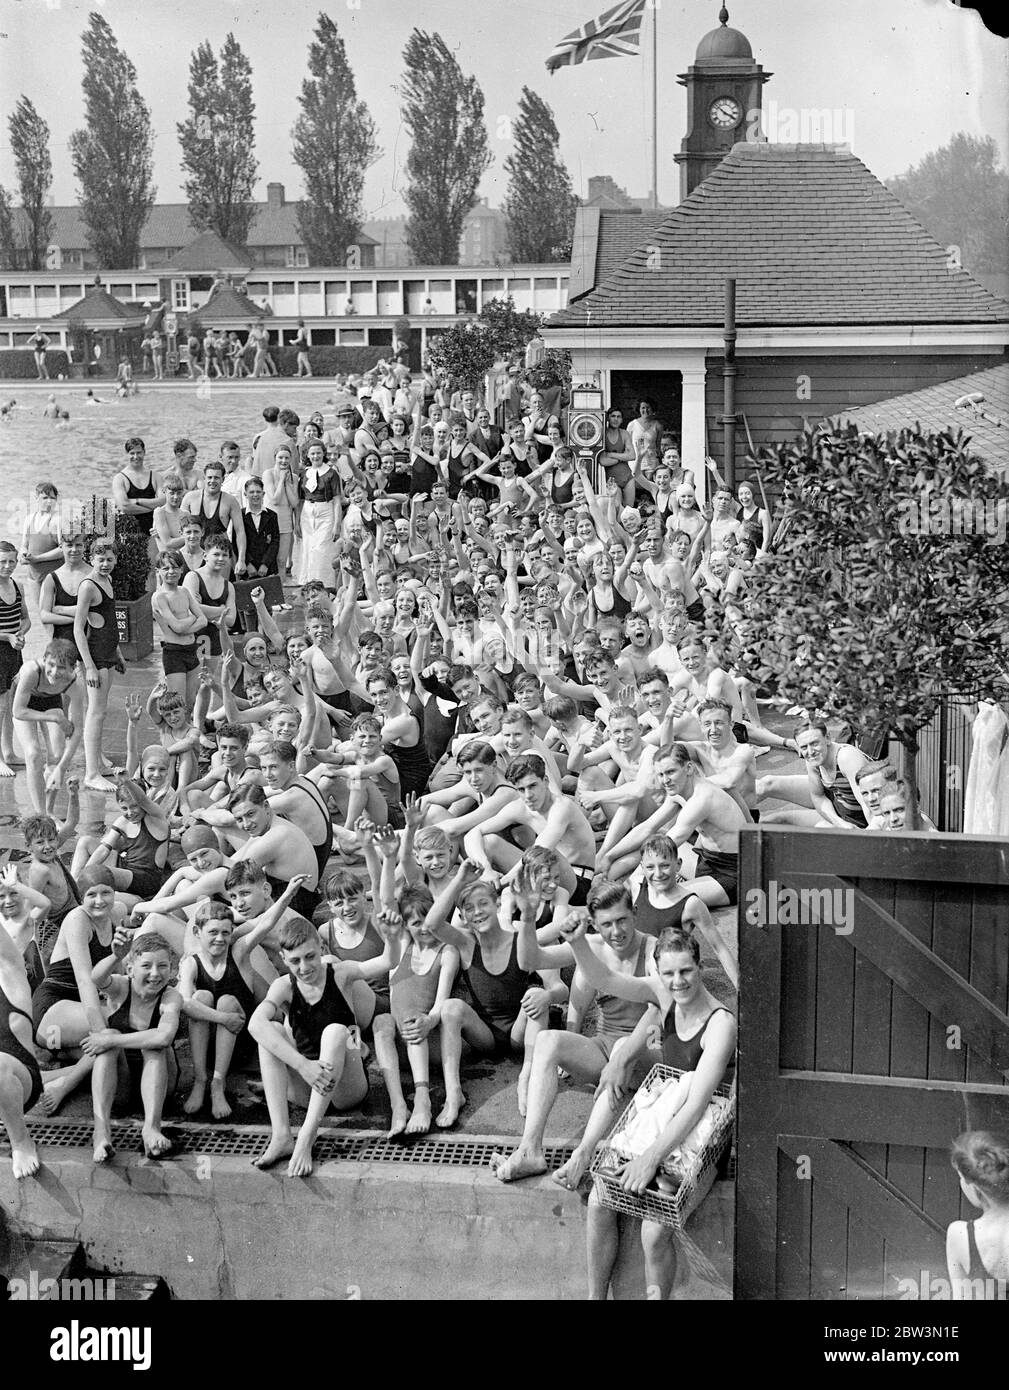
<point x="616" y="34"/>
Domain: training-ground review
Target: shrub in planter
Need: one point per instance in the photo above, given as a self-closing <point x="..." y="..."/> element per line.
<point x="18" y="364"/>
<point x="129" y="578"/>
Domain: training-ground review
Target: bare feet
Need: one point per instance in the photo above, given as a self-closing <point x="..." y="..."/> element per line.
<point x="219" y="1107"/>
<point x="400" y="1115"/>
<point x="570" y="1174"/>
<point x="194" y="1101"/>
<point x="54" y="1093"/>
<point x="280" y="1146"/>
<point x="454" y="1102"/>
<point x="523" y="1163"/>
<point x="300" y="1165"/>
<point x="6" y="770"/>
<point x="156" y="1144"/>
<point x="98" y="784"/>
<point x="420" y="1119"/>
<point x="103" y="1147"/>
<point x="11" y="758"/>
<point x="24" y="1159"/>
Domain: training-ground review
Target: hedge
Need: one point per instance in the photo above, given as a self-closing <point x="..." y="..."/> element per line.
<point x="328" y="361"/>
<point x="18" y="364"/>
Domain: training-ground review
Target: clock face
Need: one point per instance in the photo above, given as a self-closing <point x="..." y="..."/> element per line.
<point x="725" y="112"/>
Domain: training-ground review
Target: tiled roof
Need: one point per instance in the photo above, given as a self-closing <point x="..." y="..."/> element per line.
<point x="227" y="303"/>
<point x="211" y="252"/>
<point x="168" y="224"/>
<point x="622" y="231"/>
<point x="811" y="236"/>
<point x="98" y="306"/>
<point x="934" y="408"/>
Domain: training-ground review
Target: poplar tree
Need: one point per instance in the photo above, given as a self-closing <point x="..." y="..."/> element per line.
<point x="218" y="141"/>
<point x="30" y="146"/>
<point x="113" y="154"/>
<point x="540" y="206"/>
<point x="334" y="145"/>
<point x="443" y="111"/>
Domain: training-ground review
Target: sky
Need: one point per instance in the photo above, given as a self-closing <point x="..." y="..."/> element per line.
<point x="902" y="76"/>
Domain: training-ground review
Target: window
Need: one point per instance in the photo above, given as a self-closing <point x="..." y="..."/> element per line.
<point x="258" y="289"/>
<point x="546" y="282"/>
<point x="147" y="290"/>
<point x="518" y="286"/>
<point x="352" y="337"/>
<point x="45" y="294"/>
<point x="283" y="287"/>
<point x="295" y="257"/>
<point x="301" y="257"/>
<point x="68" y="293"/>
<point x="492" y="287"/>
<point x="21" y="300"/>
<point x="180" y="294"/>
<point x="122" y="291"/>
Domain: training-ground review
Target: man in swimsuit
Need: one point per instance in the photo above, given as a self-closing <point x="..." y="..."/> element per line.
<point x="316" y="1059"/>
<point x="725" y="762"/>
<point x="220" y="513"/>
<point x="556" y="823"/>
<point x="692" y="804"/>
<point x="625" y="951"/>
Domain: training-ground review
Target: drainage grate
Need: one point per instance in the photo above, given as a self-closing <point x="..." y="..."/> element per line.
<point x="442" y="1150"/>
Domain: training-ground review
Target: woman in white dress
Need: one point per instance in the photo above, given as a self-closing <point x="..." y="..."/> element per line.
<point x="319" y="489"/>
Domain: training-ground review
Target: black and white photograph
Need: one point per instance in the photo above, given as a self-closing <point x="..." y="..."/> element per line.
<point x="504" y="659"/>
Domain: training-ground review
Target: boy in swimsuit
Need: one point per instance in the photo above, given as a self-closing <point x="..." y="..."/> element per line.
<point x="556" y="822"/>
<point x="143" y="1018"/>
<point x="215" y="597"/>
<point x="178" y="618"/>
<point x="14" y="623"/>
<point x="179" y="731"/>
<point x="625" y="951"/>
<point x="139" y="864"/>
<point x="46" y="872"/>
<point x="22" y="911"/>
<point x="220" y="990"/>
<point x="309" y="1046"/>
<point x="99" y="648"/>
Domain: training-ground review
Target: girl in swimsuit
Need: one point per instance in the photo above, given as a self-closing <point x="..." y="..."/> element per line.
<point x="401" y="732"/>
<point x="281" y="489"/>
<point x="143" y="1019"/>
<point x="509" y="1005"/>
<point x="99" y="646"/>
<point x="20" y="1078"/>
<point x="977" y="1252"/>
<point x="41" y="548"/>
<point x="58" y="594"/>
<point x="754" y="521"/>
<point x="66" y="1006"/>
<point x="699" y="1036"/>
<point x="48" y="714"/>
<point x="607" y="596"/>
<point x="138" y="837"/>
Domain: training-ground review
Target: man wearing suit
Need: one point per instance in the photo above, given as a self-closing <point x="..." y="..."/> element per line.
<point x="262" y="533"/>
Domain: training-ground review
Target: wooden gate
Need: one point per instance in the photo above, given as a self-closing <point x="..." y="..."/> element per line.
<point x="873" y="1029"/>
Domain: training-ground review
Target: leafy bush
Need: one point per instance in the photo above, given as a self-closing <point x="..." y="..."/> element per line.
<point x="18" y="364"/>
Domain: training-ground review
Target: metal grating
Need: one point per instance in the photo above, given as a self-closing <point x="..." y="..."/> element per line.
<point x="438" y="1150"/>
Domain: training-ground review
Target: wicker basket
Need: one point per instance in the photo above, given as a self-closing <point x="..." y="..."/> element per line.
<point x="668" y="1209"/>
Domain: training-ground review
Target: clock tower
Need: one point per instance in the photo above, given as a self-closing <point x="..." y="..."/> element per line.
<point x="724" y="88"/>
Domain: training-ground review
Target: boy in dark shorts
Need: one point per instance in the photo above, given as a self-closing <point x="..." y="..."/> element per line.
<point x="309" y="1047"/>
<point x="14" y="623"/>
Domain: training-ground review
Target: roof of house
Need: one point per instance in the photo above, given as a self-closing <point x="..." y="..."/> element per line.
<point x="211" y="252"/>
<point x="169" y="225"/>
<point x="602" y="240"/>
<point x="227" y="303"/>
<point x="98" y="307"/>
<point x="811" y="236"/>
<point x="935" y="409"/>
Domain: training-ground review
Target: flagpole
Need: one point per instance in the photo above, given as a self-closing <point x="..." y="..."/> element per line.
<point x="654" y="6"/>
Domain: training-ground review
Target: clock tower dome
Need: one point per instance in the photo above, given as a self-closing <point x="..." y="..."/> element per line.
<point x="724" y="88"/>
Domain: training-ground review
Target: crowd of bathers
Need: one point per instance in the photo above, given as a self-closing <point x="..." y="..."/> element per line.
<point x="481" y="798"/>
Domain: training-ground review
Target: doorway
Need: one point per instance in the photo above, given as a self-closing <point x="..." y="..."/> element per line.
<point x="663" y="389"/>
